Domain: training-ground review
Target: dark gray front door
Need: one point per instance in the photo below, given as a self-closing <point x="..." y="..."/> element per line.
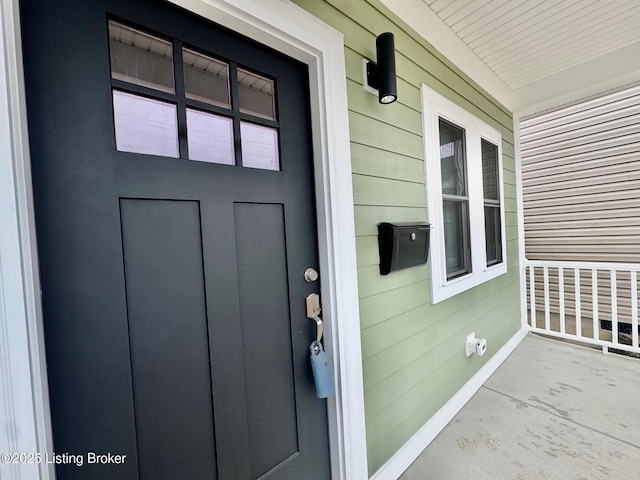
<point x="173" y="186"/>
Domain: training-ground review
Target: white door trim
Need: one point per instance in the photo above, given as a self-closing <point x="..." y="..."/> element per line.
<point x="24" y="415"/>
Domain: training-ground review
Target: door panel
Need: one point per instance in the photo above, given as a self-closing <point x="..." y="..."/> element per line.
<point x="266" y="335"/>
<point x="173" y="289"/>
<point x="168" y="337"/>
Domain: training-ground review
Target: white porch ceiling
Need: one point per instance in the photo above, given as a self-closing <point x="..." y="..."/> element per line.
<point x="539" y="52"/>
<point x="522" y="41"/>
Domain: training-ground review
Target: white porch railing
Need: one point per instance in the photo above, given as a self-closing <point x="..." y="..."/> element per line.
<point x="590" y="302"/>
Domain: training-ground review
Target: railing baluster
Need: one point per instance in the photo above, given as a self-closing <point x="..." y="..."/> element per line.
<point x="561" y="298"/>
<point x="547" y="310"/>
<point x="634" y="309"/>
<point x="594" y="303"/>
<point x="620" y="302"/>
<point x="614" y="307"/>
<point x="576" y="284"/>
<point x="532" y="295"/>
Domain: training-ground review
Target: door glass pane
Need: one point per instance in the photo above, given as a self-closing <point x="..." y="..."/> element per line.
<point x="206" y="79"/>
<point x="144" y="125"/>
<point x="256" y="95"/>
<point x="456" y="238"/>
<point x="140" y="58"/>
<point x="490" y="171"/>
<point x="452" y="159"/>
<point x="210" y="137"/>
<point x="259" y="146"/>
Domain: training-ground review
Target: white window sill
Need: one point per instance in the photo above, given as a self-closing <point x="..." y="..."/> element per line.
<point x="461" y="284"/>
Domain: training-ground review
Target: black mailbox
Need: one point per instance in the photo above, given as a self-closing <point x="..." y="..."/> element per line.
<point x="402" y="245"/>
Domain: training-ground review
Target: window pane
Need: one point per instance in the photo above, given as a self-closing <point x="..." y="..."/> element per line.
<point x="140" y="58"/>
<point x="456" y="238"/>
<point x="259" y="146"/>
<point x="210" y="137"/>
<point x="144" y="125"/>
<point x="493" y="234"/>
<point x="206" y="79"/>
<point x="256" y="95"/>
<point x="490" y="171"/>
<point x="452" y="159"/>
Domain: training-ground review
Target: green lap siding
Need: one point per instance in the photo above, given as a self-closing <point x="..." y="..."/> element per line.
<point x="413" y="351"/>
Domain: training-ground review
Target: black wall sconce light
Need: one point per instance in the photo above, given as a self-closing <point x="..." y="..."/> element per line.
<point x="380" y="77"/>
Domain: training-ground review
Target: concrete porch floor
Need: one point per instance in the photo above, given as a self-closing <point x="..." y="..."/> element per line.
<point x="552" y="410"/>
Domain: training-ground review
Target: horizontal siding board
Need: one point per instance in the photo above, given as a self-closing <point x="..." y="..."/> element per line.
<point x="366" y="160"/>
<point x="595" y="107"/>
<point x="387" y="192"/>
<point x="566" y="173"/>
<point x="393" y="330"/>
<point x="389" y="304"/>
<point x="620" y="180"/>
<point x="564" y="166"/>
<point x="577" y="157"/>
<point x="600" y="256"/>
<point x="594" y="142"/>
<point x="605" y="226"/>
<point x="602" y="135"/>
<point x="512" y="232"/>
<point x="370" y="282"/>
<point x="367" y="251"/>
<point x="619" y="235"/>
<point x="583" y="129"/>
<point x="545" y="214"/>
<point x="509" y="191"/>
<point x="509" y="177"/>
<point x="365" y="130"/>
<point x="589" y="193"/>
<point x="510" y="206"/>
<point x="595" y="246"/>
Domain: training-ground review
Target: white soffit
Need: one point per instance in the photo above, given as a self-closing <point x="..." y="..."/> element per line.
<point x="541" y="51"/>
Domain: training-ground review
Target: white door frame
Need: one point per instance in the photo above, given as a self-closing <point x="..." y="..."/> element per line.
<point x="25" y="422"/>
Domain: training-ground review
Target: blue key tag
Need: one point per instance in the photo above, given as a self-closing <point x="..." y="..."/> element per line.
<point x="322" y="370"/>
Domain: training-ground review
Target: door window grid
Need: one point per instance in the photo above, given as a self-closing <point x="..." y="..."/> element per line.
<point x="224" y="114"/>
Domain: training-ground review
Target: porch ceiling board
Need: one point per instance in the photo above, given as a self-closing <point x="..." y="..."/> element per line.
<point x="533" y="55"/>
<point x="523" y="41"/>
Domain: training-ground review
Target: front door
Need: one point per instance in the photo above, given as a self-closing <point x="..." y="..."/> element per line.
<point x="173" y="186"/>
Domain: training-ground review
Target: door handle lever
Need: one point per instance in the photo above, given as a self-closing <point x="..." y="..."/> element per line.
<point x="313" y="312"/>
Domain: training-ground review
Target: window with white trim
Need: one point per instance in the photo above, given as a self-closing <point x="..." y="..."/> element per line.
<point x="465" y="197"/>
